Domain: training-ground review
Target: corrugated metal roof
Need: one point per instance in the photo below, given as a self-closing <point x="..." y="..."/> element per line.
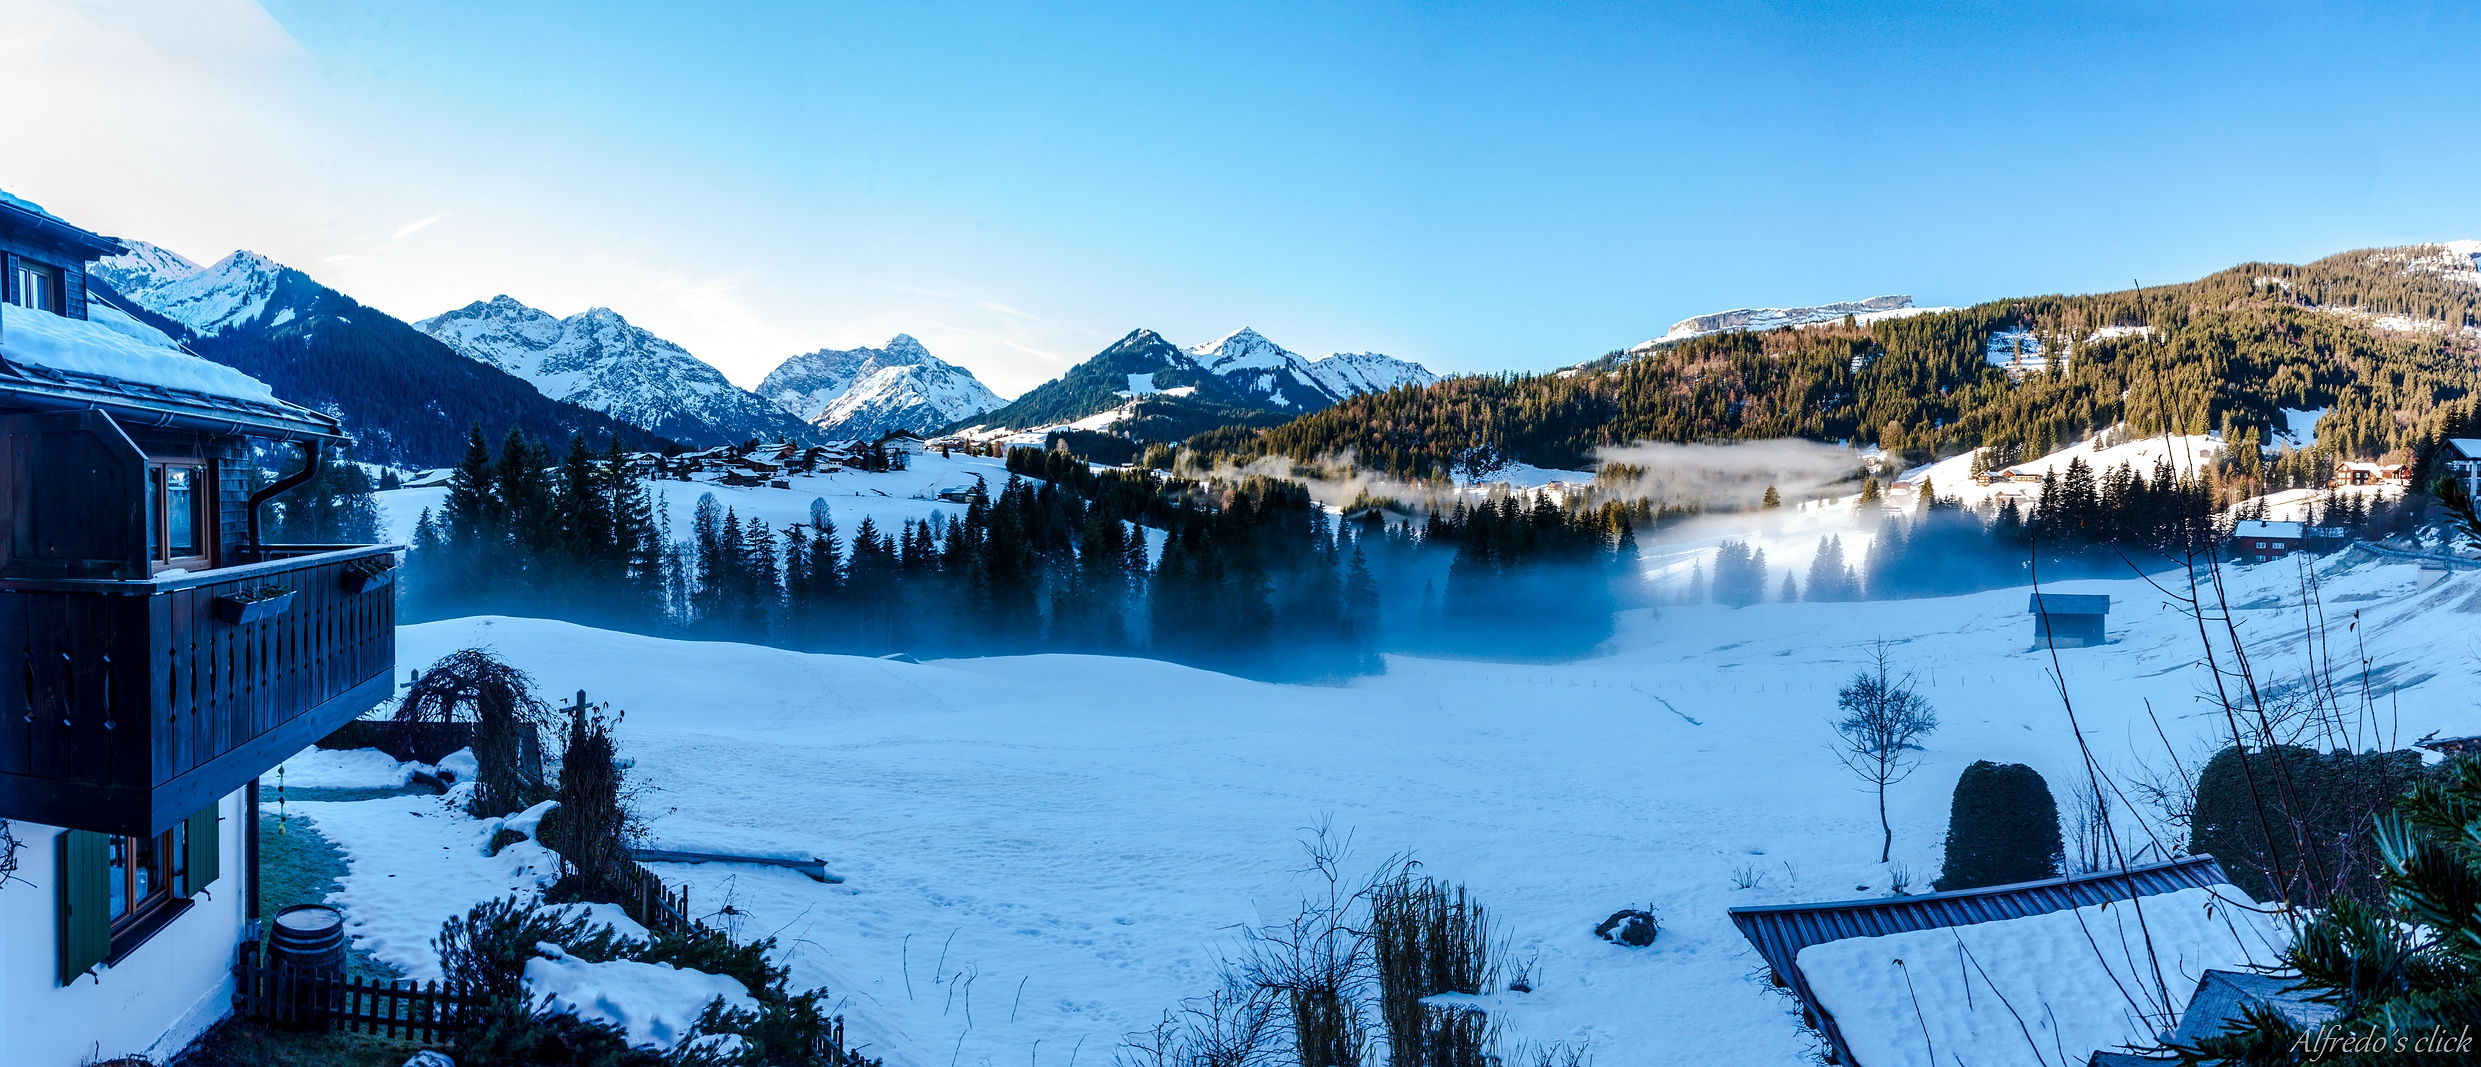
<point x="1780" y="931"/>
<point x="2068" y="604"/>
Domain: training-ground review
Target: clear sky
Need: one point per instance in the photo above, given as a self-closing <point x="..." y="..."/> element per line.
<point x="1474" y="186"/>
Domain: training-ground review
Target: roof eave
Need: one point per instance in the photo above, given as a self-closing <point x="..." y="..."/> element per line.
<point x="74" y="236"/>
<point x="168" y="408"/>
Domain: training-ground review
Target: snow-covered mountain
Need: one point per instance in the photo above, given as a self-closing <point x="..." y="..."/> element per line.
<point x="1354" y="373"/>
<point x="210" y="300"/>
<point x="596" y="359"/>
<point x="1241" y="373"/>
<point x="1757" y="320"/>
<point x="854" y="393"/>
<point x="407" y="399"/>
<point x="1250" y="365"/>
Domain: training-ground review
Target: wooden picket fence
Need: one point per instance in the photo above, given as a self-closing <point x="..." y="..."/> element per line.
<point x="286" y="995"/>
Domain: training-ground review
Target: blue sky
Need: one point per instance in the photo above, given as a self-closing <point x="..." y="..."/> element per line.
<point x="1478" y="187"/>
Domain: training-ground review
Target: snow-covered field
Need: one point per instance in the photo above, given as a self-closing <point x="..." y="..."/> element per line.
<point x="1043" y="853"/>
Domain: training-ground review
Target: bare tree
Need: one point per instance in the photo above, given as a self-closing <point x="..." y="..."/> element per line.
<point x="1883" y="725"/>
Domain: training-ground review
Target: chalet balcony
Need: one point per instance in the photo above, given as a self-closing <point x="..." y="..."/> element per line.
<point x="125" y="706"/>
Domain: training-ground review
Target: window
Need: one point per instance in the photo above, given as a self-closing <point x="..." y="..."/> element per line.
<point x="180" y="528"/>
<point x="116" y="892"/>
<point x="36" y="286"/>
<point x="2278" y="544"/>
<point x="144" y="872"/>
<point x="2261" y="544"/>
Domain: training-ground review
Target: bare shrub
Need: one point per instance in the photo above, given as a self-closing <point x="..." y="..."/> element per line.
<point x="8" y="853"/>
<point x="1234" y="1026"/>
<point x="1748" y="876"/>
<point x="1426" y="939"/>
<point x="1317" y="962"/>
<point x="506" y="717"/>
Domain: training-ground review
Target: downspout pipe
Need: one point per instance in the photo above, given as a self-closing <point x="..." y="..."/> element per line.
<point x="311" y="451"/>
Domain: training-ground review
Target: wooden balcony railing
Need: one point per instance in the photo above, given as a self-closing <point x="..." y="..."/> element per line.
<point x="127" y="705"/>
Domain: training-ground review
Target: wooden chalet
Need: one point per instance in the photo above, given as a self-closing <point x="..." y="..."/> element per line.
<point x="2258" y="541"/>
<point x="2461" y="457"/>
<point x="2351" y="474"/>
<point x="156" y="655"/>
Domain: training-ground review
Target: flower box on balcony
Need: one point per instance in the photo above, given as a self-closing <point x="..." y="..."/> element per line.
<point x="253" y="606"/>
<point x="364" y="575"/>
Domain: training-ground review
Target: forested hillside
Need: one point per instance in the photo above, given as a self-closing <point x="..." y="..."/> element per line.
<point x="2379" y="337"/>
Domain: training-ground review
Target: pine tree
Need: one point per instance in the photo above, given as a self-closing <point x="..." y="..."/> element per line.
<point x="1829" y="578"/>
<point x="1772" y="501"/>
<point x="472" y="505"/>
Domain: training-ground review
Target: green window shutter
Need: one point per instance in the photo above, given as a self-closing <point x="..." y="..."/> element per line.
<point x="205" y="851"/>
<point x="85" y="902"/>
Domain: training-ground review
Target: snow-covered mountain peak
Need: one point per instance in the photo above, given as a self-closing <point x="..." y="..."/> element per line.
<point x="1245" y="349"/>
<point x="142" y="264"/>
<point x="903" y="348"/>
<point x="209" y="300"/>
<point x="599" y="359"/>
<point x="851" y="393"/>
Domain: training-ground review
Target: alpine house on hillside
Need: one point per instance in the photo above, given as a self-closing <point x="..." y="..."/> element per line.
<point x="156" y="654"/>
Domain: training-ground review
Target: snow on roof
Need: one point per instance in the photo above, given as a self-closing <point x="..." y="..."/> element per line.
<point x="2261" y="528"/>
<point x="2016" y="990"/>
<point x="2469" y="446"/>
<point x="23" y="204"/>
<point x="110" y="344"/>
<point x="2069" y="604"/>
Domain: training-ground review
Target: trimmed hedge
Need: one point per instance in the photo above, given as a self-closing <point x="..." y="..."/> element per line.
<point x="2003" y="828"/>
<point x="2333" y="795"/>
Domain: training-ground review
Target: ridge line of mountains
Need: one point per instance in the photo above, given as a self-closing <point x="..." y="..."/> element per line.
<point x="501" y="363"/>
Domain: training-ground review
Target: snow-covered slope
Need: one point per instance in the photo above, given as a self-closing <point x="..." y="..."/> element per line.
<point x="234" y="291"/>
<point x="853" y="393"/>
<point x="596" y="359"/>
<point x="1762" y="319"/>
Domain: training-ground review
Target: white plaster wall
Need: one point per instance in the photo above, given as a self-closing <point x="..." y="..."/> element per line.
<point x="153" y="1003"/>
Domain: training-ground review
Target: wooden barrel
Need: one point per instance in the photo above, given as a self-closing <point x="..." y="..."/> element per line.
<point x="306" y="954"/>
<point x="308" y="936"/>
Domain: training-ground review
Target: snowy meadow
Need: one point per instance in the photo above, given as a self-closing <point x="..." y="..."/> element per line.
<point x="1041" y="854"/>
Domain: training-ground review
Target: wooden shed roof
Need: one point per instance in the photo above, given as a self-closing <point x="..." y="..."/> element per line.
<point x="1780" y="931"/>
<point x="2069" y="604"/>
